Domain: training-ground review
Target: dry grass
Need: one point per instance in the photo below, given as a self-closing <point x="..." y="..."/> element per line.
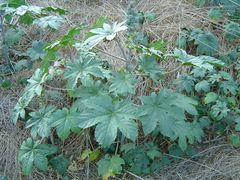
<point x="10" y="135"/>
<point x="217" y="162"/>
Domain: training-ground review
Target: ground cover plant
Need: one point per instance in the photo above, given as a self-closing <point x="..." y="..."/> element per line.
<point x="131" y="121"/>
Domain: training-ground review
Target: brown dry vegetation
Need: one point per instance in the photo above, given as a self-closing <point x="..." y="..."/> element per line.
<point x="216" y="159"/>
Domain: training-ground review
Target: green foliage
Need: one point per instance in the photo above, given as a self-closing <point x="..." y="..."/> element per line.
<point x="33" y="88"/>
<point x="202" y="86"/>
<point x="60" y="164"/>
<point x="205" y="62"/>
<point x="64" y="120"/>
<point x="39" y="122"/>
<point x="215" y="14"/>
<point x="6" y="84"/>
<point x="37" y="50"/>
<point x="109" y="116"/>
<point x="67" y="40"/>
<point x="16" y="3"/>
<point x="51" y="21"/>
<point x="86" y="64"/>
<point x="150" y="66"/>
<point x="210" y="97"/>
<point x="232" y="31"/>
<point x="123" y="83"/>
<point x="107" y="32"/>
<point x="117" y="104"/>
<point x="219" y="110"/>
<point x="35" y="154"/>
<point x="110" y="166"/>
<point x="144" y="159"/>
<point x="13" y="36"/>
<point x="93" y="155"/>
<point x="167" y="111"/>
<point x="185" y="83"/>
<point x="200" y="3"/>
<point x="235" y="140"/>
<point x="97" y="24"/>
<point x="89" y="89"/>
<point x="206" y="42"/>
<point x="23" y="64"/>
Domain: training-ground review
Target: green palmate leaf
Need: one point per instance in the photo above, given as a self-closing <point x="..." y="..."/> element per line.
<point x="64" y="120"/>
<point x="86" y="64"/>
<point x="210" y="97"/>
<point x="151" y="67"/>
<point x="16" y="3"/>
<point x="110" y="166"/>
<point x="237" y="127"/>
<point x="194" y="34"/>
<point x="159" y="45"/>
<point x="20" y="65"/>
<point x="109" y="116"/>
<point x="127" y="147"/>
<point x="97" y="24"/>
<point x="26" y="19"/>
<point x="22" y="10"/>
<point x="191" y="131"/>
<point x="39" y="122"/>
<point x="152" y="151"/>
<point x="202" y="86"/>
<point x="6" y="84"/>
<point x="204" y="122"/>
<point x="185" y="83"/>
<point x="19" y="110"/>
<point x="33" y="88"/>
<point x="214" y="78"/>
<point x="150" y="16"/>
<point x="200" y="3"/>
<point x="35" y="82"/>
<point x="235" y="140"/>
<point x="232" y="31"/>
<point x="229" y="87"/>
<point x="89" y="89"/>
<point x="93" y="155"/>
<point x="205" y="62"/>
<point x="51" y="21"/>
<point x="37" y="50"/>
<point x="107" y="32"/>
<point x="207" y="43"/>
<point x="60" y="163"/>
<point x="54" y="95"/>
<point x="33" y="153"/>
<point x="181" y="42"/>
<point x="123" y="83"/>
<point x="219" y="110"/>
<point x="199" y="72"/>
<point x="167" y="111"/>
<point x="13" y="36"/>
<point x="3" y="178"/>
<point x="55" y="10"/>
<point x="138" y="161"/>
<point x="67" y="40"/>
<point x="215" y="14"/>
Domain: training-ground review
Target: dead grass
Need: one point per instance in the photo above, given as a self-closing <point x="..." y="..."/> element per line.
<point x="216" y="162"/>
